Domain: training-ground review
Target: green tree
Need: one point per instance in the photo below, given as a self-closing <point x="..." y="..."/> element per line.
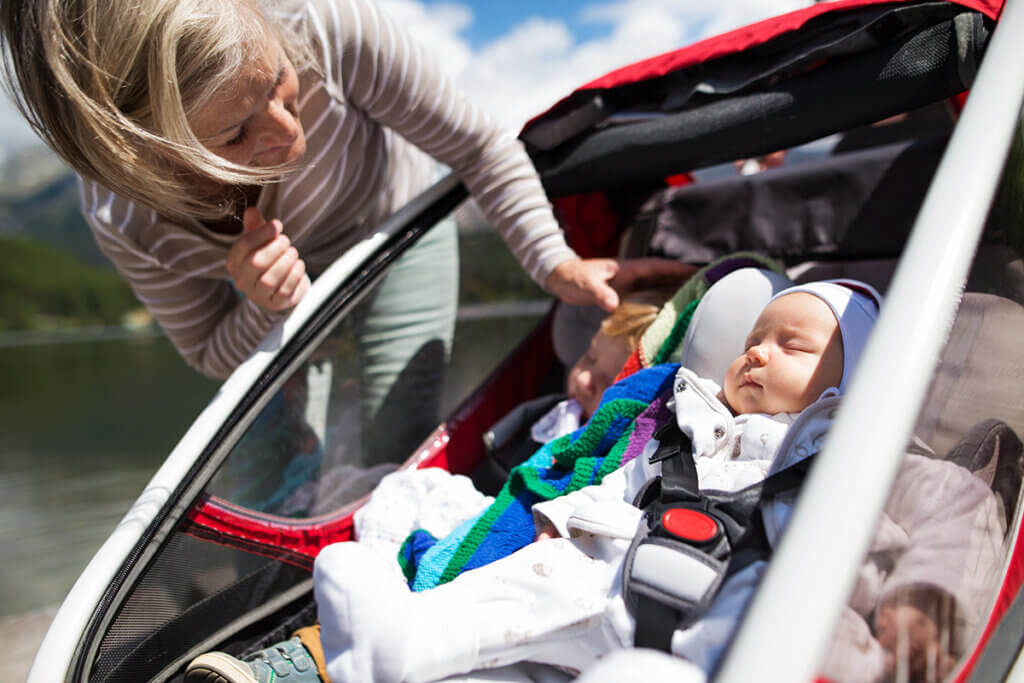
<point x="42" y="287"/>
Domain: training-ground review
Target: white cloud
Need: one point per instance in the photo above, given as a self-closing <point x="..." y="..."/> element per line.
<point x="695" y="18"/>
<point x="539" y="61"/>
<point x="436" y="28"/>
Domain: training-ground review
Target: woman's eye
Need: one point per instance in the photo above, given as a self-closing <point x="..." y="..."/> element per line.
<point x="238" y="139"/>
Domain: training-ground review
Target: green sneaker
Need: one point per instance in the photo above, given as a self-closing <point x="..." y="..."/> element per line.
<point x="288" y="660"/>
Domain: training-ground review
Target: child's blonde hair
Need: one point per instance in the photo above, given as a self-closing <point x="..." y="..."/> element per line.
<point x="110" y="87"/>
<point x="634" y="315"/>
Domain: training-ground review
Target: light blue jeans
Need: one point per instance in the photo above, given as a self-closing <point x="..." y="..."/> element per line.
<point x="404" y="336"/>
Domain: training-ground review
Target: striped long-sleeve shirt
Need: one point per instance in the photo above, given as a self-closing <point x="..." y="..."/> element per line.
<point x="381" y="109"/>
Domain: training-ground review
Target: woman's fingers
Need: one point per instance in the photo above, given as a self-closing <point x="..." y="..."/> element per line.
<point x="265" y="266"/>
<point x="268" y="257"/>
<point x="284" y="296"/>
<point x="251" y="268"/>
<point x="604" y="281"/>
<point x="301" y="290"/>
<point x="248" y="244"/>
<point x="638" y="273"/>
<point x="252" y="219"/>
<point x="276" y="272"/>
<point x="580" y="281"/>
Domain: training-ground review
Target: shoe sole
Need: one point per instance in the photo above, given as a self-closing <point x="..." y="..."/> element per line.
<point x="217" y="667"/>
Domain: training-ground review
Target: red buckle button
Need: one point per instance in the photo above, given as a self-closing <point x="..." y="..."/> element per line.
<point x="689" y="525"/>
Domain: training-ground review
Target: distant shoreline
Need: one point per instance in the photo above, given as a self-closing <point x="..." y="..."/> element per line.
<point x="99" y="333"/>
<point x="76" y="335"/>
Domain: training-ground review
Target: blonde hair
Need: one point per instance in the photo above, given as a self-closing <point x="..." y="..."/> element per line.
<point x="634" y="315"/>
<point x="110" y="87"/>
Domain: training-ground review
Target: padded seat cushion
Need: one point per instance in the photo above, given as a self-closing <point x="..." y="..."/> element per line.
<point x="980" y="375"/>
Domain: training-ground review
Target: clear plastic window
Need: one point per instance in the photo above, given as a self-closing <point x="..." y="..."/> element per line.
<point x="382" y="381"/>
<point x="928" y="587"/>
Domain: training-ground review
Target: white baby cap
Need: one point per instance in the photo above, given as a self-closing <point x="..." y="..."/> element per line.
<point x="855" y="305"/>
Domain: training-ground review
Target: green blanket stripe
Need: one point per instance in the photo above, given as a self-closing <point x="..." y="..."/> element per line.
<point x="675" y="336"/>
<point x="595" y="430"/>
<point x="478" y="533"/>
<point x="613" y="460"/>
<point x="531" y="481"/>
<point x="567" y="454"/>
<point x="582" y="474"/>
<point x="407" y="567"/>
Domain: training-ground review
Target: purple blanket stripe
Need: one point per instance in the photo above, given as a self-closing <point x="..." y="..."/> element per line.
<point x="645" y="424"/>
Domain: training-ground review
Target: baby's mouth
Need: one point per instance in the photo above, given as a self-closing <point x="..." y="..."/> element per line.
<point x="748" y="381"/>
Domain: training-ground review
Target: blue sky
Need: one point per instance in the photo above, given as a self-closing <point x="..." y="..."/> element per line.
<point x="493" y="19"/>
<point x="520" y="56"/>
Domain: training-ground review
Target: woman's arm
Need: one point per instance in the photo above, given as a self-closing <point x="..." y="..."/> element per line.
<point x="397" y="82"/>
<point x="384" y="72"/>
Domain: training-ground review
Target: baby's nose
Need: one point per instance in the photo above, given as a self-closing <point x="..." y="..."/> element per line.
<point x="757" y="354"/>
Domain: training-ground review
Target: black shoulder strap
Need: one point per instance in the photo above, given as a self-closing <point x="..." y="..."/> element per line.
<point x="678" y="471"/>
<point x="661" y="559"/>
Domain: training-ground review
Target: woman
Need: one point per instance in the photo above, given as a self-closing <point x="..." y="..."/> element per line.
<point x="227" y="152"/>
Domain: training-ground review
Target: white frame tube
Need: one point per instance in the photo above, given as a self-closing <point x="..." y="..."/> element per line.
<point x="788" y="629"/>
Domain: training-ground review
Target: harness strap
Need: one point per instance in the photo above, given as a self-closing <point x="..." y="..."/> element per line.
<point x="690" y="541"/>
<point x="668" y="581"/>
<point x="679" y="481"/>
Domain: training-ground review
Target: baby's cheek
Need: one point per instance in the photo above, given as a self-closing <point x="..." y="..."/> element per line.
<point x="571" y="385"/>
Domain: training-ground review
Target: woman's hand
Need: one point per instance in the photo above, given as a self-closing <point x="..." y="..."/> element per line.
<point x="264" y="264"/>
<point x="603" y="281"/>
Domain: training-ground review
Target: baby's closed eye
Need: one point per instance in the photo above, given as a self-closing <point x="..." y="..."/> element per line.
<point x="800" y="344"/>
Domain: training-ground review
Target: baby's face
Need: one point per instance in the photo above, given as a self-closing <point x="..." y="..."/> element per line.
<point x="793" y="353"/>
<point x="596" y="369"/>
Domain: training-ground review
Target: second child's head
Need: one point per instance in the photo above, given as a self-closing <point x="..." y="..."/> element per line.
<point x="806" y="340"/>
<point x="611" y="346"/>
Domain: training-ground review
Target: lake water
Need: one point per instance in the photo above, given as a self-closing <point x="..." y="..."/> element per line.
<point x="85" y="425"/>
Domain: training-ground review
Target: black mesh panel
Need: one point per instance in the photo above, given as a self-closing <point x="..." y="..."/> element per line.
<point x="193" y="589"/>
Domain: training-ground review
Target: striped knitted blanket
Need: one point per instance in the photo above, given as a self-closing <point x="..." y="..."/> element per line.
<point x="629" y="412"/>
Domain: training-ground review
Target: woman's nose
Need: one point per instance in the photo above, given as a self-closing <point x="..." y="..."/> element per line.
<point x="282" y="127"/>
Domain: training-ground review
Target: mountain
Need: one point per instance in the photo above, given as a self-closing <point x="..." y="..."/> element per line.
<point x="39" y="200"/>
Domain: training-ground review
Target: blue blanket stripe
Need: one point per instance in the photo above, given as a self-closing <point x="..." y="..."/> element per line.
<point x="556" y="468"/>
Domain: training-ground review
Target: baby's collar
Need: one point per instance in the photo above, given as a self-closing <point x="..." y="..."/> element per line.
<point x="789" y="418"/>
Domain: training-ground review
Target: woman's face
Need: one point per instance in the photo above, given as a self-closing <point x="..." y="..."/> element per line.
<point x="257" y="123"/>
